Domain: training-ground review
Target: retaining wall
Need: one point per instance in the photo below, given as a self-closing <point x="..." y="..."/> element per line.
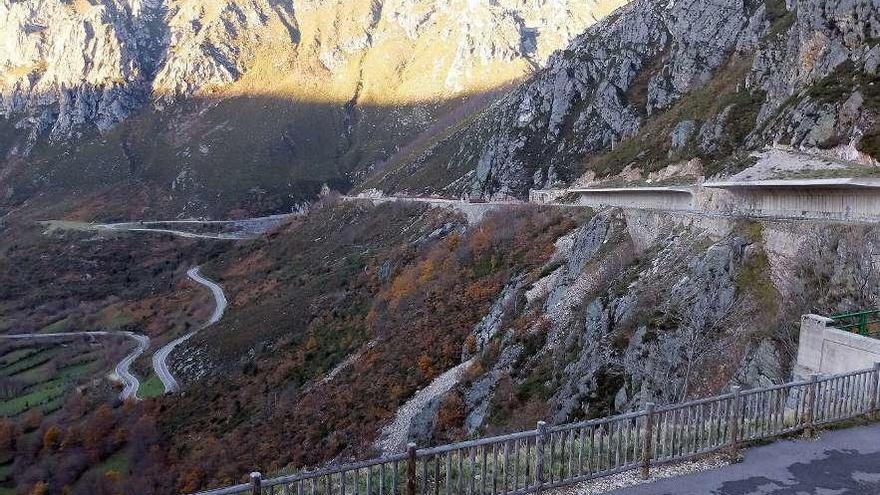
<point x="833" y="199"/>
<point x="648" y="198"/>
<point x="805" y="202"/>
<point x="544" y="196"/>
<point x="825" y="350"/>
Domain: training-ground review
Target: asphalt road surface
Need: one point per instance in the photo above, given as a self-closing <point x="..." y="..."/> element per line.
<point x="129" y="381"/>
<point x="843" y="462"/>
<point x="160" y="358"/>
<point x="248" y="228"/>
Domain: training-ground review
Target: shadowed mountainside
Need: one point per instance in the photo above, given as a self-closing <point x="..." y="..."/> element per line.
<point x="212" y="105"/>
<point x="658" y="84"/>
<point x="257" y="154"/>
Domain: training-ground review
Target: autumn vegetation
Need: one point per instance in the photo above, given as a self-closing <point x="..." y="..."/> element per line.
<point x="404" y="289"/>
<point x="400" y="286"/>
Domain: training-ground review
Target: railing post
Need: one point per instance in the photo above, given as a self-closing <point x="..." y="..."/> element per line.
<point x="256" y="483"/>
<point x="647" y="447"/>
<point x="539" y="455"/>
<point x="411" y="469"/>
<point x="812" y="392"/>
<point x="735" y="419"/>
<point x="874" y="390"/>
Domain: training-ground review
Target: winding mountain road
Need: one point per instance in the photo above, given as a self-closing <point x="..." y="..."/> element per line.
<point x="160" y="358"/>
<point x="227" y="230"/>
<point x="130" y="382"/>
<point x="244" y="229"/>
<point x="180" y="233"/>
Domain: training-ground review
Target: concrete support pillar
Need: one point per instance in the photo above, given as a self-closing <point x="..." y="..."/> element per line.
<point x="812" y="336"/>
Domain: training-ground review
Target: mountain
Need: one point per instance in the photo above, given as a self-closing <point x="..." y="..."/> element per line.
<point x="208" y="105"/>
<point x="218" y="107"/>
<point x="361" y="324"/>
<point x="338" y="318"/>
<point x="661" y="83"/>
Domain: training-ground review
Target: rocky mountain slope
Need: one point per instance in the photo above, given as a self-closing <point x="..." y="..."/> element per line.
<point x="202" y="101"/>
<point x="344" y="320"/>
<point x="635" y="307"/>
<point x="360" y="315"/>
<point x="340" y="317"/>
<point x="660" y="83"/>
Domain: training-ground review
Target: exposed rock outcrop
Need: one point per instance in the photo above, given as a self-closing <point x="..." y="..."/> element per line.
<point x="94" y="62"/>
<point x="230" y="104"/>
<point x="629" y="311"/>
<point x="744" y="73"/>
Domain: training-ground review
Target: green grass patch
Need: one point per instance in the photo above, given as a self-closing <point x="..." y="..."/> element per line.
<point x="843" y="81"/>
<point x="53" y="405"/>
<point x="753" y="231"/>
<point x="57" y="327"/>
<point x="538" y="384"/>
<point x="781" y="19"/>
<point x="550" y="268"/>
<point x="41" y="395"/>
<point x="870" y="142"/>
<point x="47" y="389"/>
<point x="37" y="374"/>
<point x="39" y="358"/>
<point x="69" y="371"/>
<point x="753" y="278"/>
<point x="151" y="387"/>
<point x="14" y="356"/>
<point x="113" y="319"/>
<point x="77" y="370"/>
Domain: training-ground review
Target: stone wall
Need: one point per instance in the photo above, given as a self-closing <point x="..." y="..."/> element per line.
<point x="544" y="196"/>
<point x="824" y="349"/>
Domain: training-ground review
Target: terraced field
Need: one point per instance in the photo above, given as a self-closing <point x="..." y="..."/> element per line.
<point x="35" y="376"/>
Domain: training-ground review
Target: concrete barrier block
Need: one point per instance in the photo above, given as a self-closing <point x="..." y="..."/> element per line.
<point x="824" y="349"/>
<point x="812" y="338"/>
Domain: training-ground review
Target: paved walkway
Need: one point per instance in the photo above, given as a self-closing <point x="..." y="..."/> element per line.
<point x="840" y="462"/>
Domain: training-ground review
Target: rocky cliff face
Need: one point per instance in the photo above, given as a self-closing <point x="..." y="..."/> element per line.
<point x="663" y="82"/>
<point x="367" y="75"/>
<point x="638" y="307"/>
<point x="617" y="321"/>
<point x="413" y="96"/>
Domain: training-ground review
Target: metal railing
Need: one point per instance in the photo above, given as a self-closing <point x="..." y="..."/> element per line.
<point x="865" y="323"/>
<point x="549" y="457"/>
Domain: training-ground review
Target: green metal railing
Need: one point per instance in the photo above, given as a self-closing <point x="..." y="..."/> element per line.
<point x="865" y="323"/>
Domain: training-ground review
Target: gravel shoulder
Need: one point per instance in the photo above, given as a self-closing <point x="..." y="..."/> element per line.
<point x="394" y="436"/>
